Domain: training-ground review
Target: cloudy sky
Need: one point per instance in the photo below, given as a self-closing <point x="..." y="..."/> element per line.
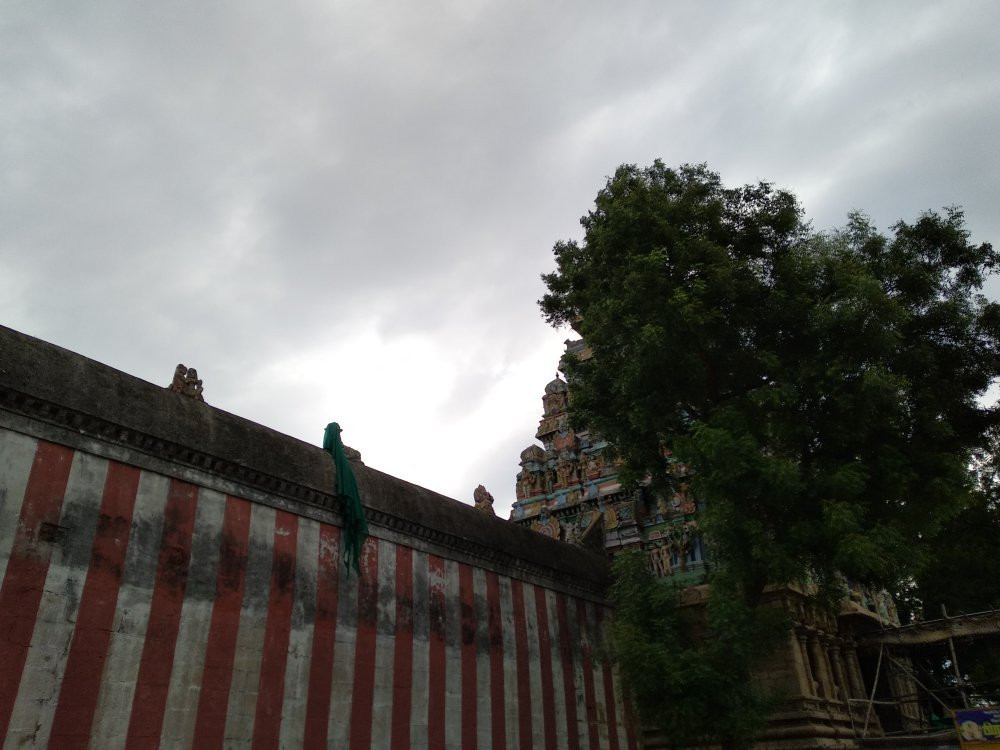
<point x="340" y="210"/>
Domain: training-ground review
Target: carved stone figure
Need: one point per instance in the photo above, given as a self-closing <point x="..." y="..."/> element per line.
<point x="682" y="502"/>
<point x="523" y="487"/>
<point x="565" y="473"/>
<point x="177" y="384"/>
<point x="484" y="500"/>
<point x="571" y="532"/>
<point x="594" y="466"/>
<point x="666" y="561"/>
<point x="662" y="509"/>
<point x="554" y="399"/>
<point x="564" y="440"/>
<point x="546" y="524"/>
<point x="186" y="382"/>
<point x="537" y="483"/>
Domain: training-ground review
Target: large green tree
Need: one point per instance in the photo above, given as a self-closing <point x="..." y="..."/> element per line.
<point x="822" y="387"/>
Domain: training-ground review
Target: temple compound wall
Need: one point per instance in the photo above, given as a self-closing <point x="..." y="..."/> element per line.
<point x="171" y="575"/>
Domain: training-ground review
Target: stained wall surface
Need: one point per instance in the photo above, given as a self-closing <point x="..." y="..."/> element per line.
<point x="171" y="575"/>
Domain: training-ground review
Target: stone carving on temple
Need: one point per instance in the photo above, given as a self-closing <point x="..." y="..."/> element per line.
<point x="564" y="440"/>
<point x="595" y="464"/>
<point x="571" y="532"/>
<point x="546" y="524"/>
<point x="186" y="383"/>
<point x="484" y="500"/>
<point x="659" y="560"/>
<point x="530" y="480"/>
<point x="568" y="488"/>
<point x="572" y="477"/>
<point x="523" y="484"/>
<point x="554" y="400"/>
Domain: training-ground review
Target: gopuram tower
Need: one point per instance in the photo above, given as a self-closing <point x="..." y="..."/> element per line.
<point x="568" y="489"/>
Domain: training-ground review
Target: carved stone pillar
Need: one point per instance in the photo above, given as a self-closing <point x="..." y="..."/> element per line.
<point x="800" y="662"/>
<point x="822" y="667"/>
<point x="803" y="651"/>
<point x="852" y="669"/>
<point x="843" y="691"/>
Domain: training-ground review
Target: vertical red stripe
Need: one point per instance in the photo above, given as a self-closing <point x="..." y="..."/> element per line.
<point x="146" y="721"/>
<point x="569" y="684"/>
<point x="324" y="630"/>
<point x="402" y="665"/>
<point x="629" y="720"/>
<point x="588" y="676"/>
<point x="364" y="655"/>
<point x="609" y="693"/>
<point x="28" y="566"/>
<point x="95" y="619"/>
<point x="609" y="702"/>
<point x="521" y="655"/>
<point x="436" y="656"/>
<point x="271" y="685"/>
<point x="497" y="714"/>
<point x="467" y="601"/>
<point x="220" y="648"/>
<point x="545" y="657"/>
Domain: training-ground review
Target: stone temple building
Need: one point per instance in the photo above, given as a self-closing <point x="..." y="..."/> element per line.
<point x="568" y="488"/>
<point x="845" y="687"/>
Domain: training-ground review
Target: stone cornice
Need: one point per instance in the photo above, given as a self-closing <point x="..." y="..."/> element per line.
<point x="55" y="394"/>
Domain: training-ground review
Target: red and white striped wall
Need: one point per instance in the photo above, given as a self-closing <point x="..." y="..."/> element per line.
<point x="140" y="611"/>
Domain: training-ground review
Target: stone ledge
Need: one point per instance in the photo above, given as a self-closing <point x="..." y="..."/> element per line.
<point x="74" y="394"/>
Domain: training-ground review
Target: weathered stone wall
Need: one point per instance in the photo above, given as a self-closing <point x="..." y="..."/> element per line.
<point x="170" y="575"/>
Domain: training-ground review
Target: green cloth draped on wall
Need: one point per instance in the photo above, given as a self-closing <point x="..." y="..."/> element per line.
<point x="355" y="525"/>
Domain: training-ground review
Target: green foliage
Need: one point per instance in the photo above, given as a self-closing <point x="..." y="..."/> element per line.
<point x="822" y="387"/>
<point x="687" y="671"/>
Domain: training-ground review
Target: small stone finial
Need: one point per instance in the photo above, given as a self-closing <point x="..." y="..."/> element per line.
<point x="186" y="383"/>
<point x="484" y="500"/>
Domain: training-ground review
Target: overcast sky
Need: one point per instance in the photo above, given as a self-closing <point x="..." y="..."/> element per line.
<point x="339" y="211"/>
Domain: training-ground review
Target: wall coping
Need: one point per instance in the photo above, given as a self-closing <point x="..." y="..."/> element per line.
<point x="56" y="394"/>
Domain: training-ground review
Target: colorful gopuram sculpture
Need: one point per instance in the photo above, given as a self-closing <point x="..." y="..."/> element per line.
<point x="568" y="488"/>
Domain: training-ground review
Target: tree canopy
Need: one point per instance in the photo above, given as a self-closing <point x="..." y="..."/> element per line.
<point x="824" y="389"/>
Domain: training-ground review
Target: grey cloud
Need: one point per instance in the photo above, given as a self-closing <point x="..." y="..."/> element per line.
<point x="232" y="184"/>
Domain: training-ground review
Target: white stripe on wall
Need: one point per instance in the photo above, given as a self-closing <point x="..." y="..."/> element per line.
<point x="385" y="630"/>
<point x="17" y="453"/>
<point x="342" y="688"/>
<point x="452" y="656"/>
<point x="576" y="643"/>
<point x="602" y="713"/>
<point x="293" y="715"/>
<point x="31" y="720"/>
<point x="511" y="709"/>
<point x="196" y="618"/>
<point x="121" y="668"/>
<point x="534" y="667"/>
<point x="484" y="729"/>
<point x="558" y="687"/>
<point x="421" y="653"/>
<point x="253" y="621"/>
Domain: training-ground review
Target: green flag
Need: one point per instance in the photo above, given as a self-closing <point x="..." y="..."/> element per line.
<point x="355" y="525"/>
